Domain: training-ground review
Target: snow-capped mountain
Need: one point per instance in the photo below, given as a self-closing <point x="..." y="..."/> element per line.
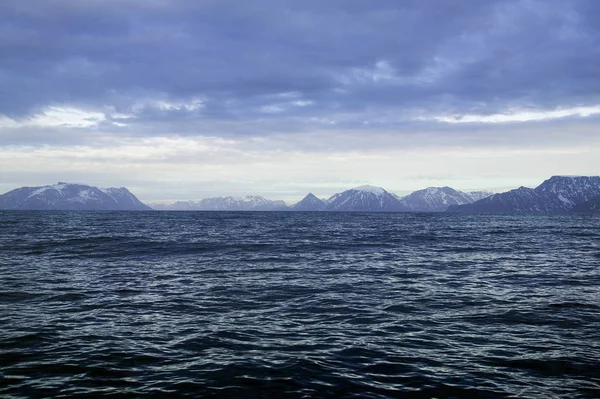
<point x="591" y="205"/>
<point x="248" y="203"/>
<point x="376" y="199"/>
<point x="435" y="199"/>
<point x="173" y="205"/>
<point x="68" y="196"/>
<point x="310" y="203"/>
<point x="571" y="190"/>
<point x="557" y="194"/>
<point x="364" y="199"/>
<point x="478" y="195"/>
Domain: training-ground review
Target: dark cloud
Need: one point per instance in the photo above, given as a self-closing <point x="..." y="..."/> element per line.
<point x="275" y="66"/>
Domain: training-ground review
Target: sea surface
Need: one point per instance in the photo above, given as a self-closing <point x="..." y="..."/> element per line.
<point x="274" y="305"/>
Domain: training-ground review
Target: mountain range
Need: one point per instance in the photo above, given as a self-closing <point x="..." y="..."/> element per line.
<point x="557" y="194"/>
<point x="71" y="197"/>
<point x="248" y="203"/>
<point x="358" y="199"/>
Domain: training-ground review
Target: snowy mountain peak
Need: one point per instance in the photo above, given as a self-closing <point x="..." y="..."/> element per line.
<point x="477" y="195"/>
<point x="435" y="199"/>
<point x="59" y="187"/>
<point x="364" y="199"/>
<point x="438" y="189"/>
<point x="370" y="189"/>
<point x="70" y="196"/>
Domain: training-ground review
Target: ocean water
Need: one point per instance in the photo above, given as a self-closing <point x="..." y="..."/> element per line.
<point x="270" y="305"/>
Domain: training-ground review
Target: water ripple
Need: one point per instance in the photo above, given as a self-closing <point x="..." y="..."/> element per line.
<point x="168" y="304"/>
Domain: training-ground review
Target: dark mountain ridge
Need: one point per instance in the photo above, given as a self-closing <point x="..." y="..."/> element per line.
<point x="556" y="194"/>
<point x="310" y="203"/>
<point x="591" y="205"/>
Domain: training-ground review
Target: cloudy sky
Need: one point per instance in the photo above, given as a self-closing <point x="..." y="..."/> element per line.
<point x="192" y="99"/>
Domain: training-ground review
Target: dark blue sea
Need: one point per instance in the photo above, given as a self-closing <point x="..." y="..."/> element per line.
<point x="300" y="305"/>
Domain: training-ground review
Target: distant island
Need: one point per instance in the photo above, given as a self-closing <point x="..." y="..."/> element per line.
<point x="71" y="197"/>
<point x="557" y="194"/>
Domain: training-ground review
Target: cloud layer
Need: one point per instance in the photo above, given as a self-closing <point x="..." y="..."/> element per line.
<point x="198" y="84"/>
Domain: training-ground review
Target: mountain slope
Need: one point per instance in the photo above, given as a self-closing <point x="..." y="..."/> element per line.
<point x="434" y="199"/>
<point x="571" y="190"/>
<point x="591" y="205"/>
<point x="522" y="199"/>
<point x="557" y="194"/>
<point x="478" y="195"/>
<point x="67" y="196"/>
<point x="310" y="203"/>
<point x="364" y="199"/>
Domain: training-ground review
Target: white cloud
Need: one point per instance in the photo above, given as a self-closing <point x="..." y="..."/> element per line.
<point x="285" y="167"/>
<point x="57" y="116"/>
<point x="518" y="115"/>
<point x="302" y="103"/>
<point x="193" y="105"/>
<point x="277" y="108"/>
<point x="160" y="102"/>
<point x="271" y="109"/>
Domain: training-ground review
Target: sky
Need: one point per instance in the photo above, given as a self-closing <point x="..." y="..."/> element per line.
<point x="193" y="99"/>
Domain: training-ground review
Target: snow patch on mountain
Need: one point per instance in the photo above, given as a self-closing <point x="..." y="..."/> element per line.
<point x="478" y="195"/>
<point x="557" y="194"/>
<point x="435" y="199"/>
<point x="83" y="196"/>
<point x="70" y="196"/>
<point x="371" y="189"/>
<point x="364" y="199"/>
<point x="59" y="187"/>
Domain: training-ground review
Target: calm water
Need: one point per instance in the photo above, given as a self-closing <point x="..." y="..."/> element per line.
<point x="168" y="304"/>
